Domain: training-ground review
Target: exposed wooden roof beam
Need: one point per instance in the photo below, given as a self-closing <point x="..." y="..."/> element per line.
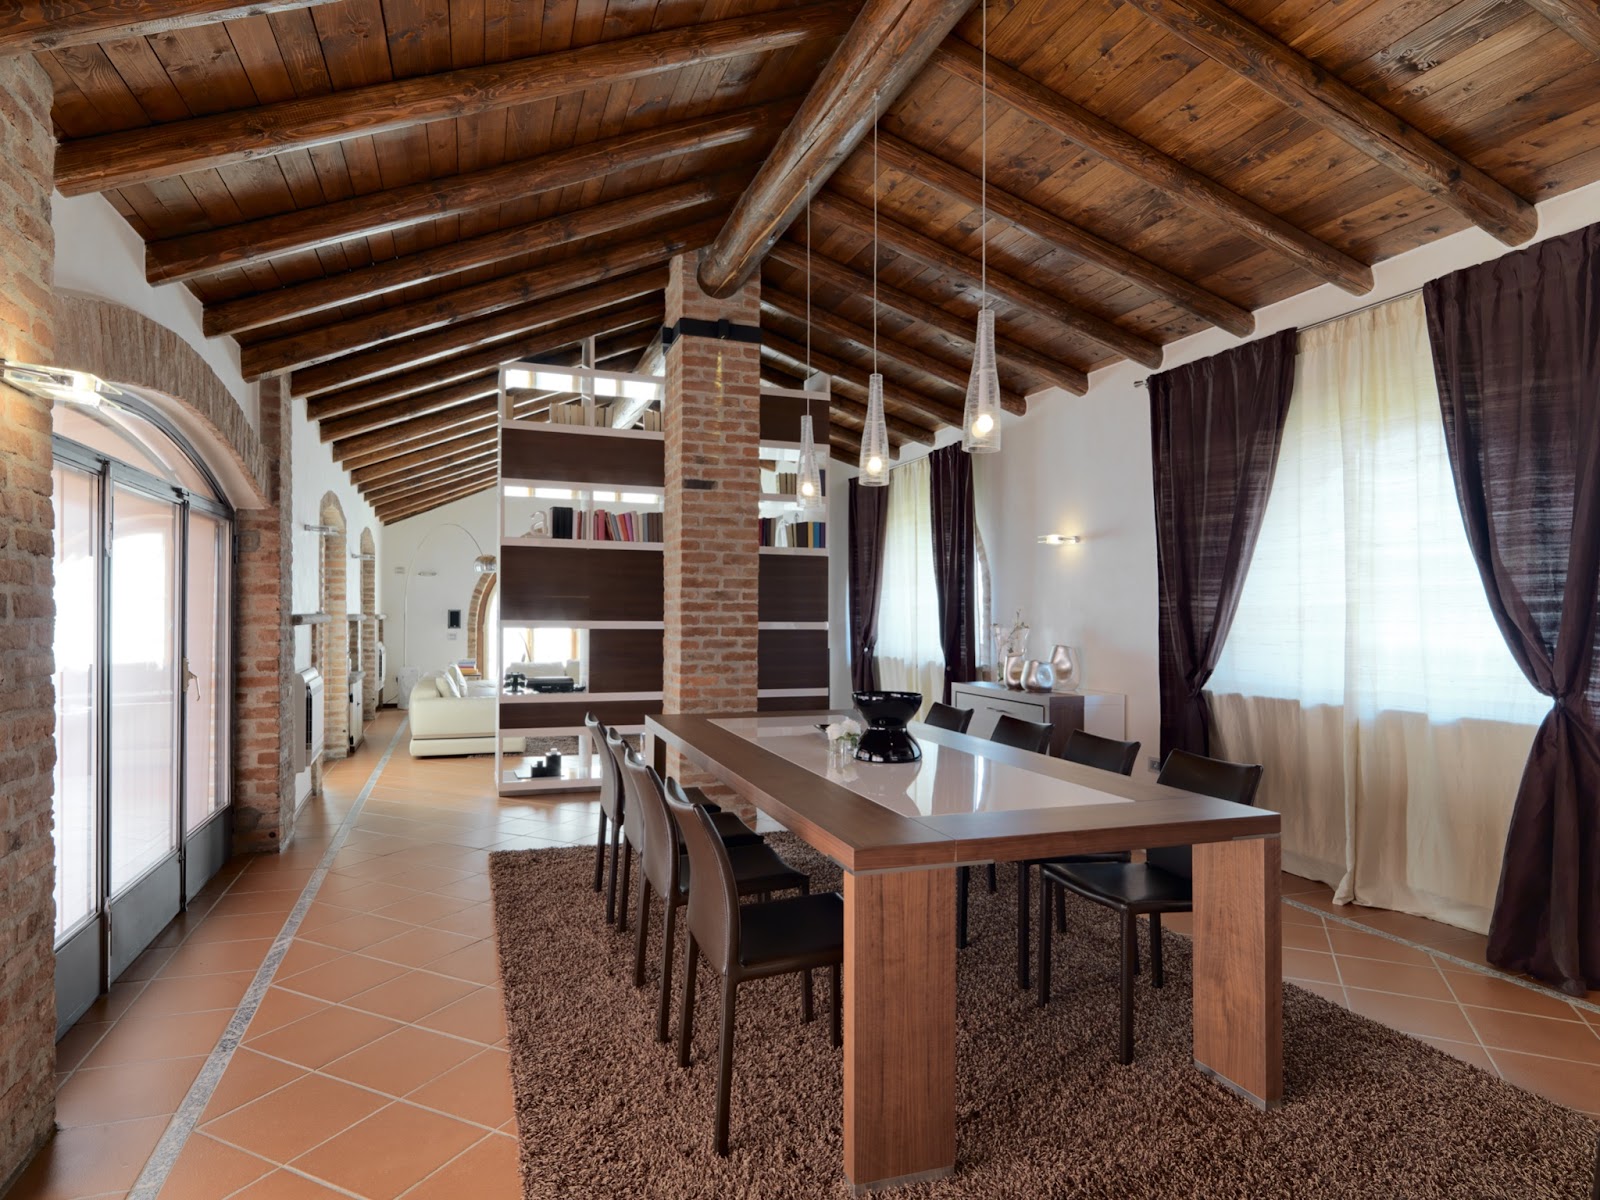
<point x="560" y="333"/>
<point x="1326" y="100"/>
<point x="923" y="249"/>
<point x="115" y="160"/>
<point x="463" y="446"/>
<point x="886" y="47"/>
<point x="399" y="512"/>
<point x="890" y="349"/>
<point x="1147" y="164"/>
<point x="450" y="396"/>
<point x="851" y="380"/>
<point x="30" y="26"/>
<point x="412" y="429"/>
<point x="1080" y="243"/>
<point x="502" y="327"/>
<point x="1578" y="19"/>
<point x="195" y="254"/>
<point x="565" y="275"/>
<point x="597" y="220"/>
<point x="1040" y="366"/>
<point x="426" y="482"/>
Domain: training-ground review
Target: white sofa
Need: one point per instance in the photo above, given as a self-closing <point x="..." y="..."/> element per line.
<point x="444" y="723"/>
<point x="545" y="670"/>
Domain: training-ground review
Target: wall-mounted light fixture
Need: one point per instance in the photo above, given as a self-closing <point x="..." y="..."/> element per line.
<point x="1059" y="539"/>
<point x="58" y="384"/>
<point x="365" y="557"/>
<point x="322" y="530"/>
<point x="485" y="564"/>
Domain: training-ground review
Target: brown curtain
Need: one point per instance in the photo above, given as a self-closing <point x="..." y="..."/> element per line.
<point x="1215" y="428"/>
<point x="950" y="493"/>
<point x="1516" y="347"/>
<point x="869" y="521"/>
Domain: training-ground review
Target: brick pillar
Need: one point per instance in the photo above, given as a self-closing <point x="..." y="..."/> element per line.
<point x="333" y="638"/>
<point x="263" y="724"/>
<point x="713" y="433"/>
<point x="27" y="625"/>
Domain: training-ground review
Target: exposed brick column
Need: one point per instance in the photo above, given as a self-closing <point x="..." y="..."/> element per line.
<point x="27" y="625"/>
<point x="713" y="436"/>
<point x="332" y="638"/>
<point x="263" y="725"/>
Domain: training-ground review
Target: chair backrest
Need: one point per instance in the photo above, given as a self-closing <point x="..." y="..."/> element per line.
<point x="948" y="716"/>
<point x="1102" y="753"/>
<point x="1020" y="734"/>
<point x="632" y="827"/>
<point x="658" y="857"/>
<point x="713" y="909"/>
<point x="1210" y="777"/>
<point x="610" y="775"/>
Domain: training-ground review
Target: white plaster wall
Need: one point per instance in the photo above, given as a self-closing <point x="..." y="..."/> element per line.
<point x="99" y="254"/>
<point x="1081" y="464"/>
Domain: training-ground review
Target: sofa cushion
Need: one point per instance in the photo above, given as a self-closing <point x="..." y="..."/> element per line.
<point x="448" y="687"/>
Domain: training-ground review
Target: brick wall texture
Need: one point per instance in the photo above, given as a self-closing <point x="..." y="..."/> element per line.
<point x="27" y="622"/>
<point x="713" y="427"/>
<point x="331" y="639"/>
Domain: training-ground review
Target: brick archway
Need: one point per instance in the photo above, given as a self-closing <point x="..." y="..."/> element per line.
<point x="369" y="625"/>
<point x="331" y="644"/>
<point x="477" y="619"/>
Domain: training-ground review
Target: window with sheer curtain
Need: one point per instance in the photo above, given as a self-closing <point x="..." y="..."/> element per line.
<point x="1364" y="669"/>
<point x="910" y="658"/>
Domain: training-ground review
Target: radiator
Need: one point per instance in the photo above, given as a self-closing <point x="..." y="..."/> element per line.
<point x="308" y="718"/>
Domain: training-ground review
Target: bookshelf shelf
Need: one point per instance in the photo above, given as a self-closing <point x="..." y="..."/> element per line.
<point x="582" y="543"/>
<point x="801" y="551"/>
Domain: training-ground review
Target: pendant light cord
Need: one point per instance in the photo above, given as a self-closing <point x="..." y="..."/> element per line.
<point x="983" y="167"/>
<point x="808" y="294"/>
<point x="875" y="118"/>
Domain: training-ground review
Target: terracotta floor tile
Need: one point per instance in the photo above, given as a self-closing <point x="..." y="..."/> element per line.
<point x="476" y="920"/>
<point x="418" y="947"/>
<point x="78" y="1041"/>
<point x="1367" y="945"/>
<point x="1577" y="1085"/>
<point x="1328" y="991"/>
<point x="114" y="1003"/>
<point x="305" y="954"/>
<point x="148" y="964"/>
<point x="487" y="1171"/>
<point x="1306" y="937"/>
<point x="195" y="993"/>
<point x="262" y="879"/>
<point x="479" y="1090"/>
<point x="279" y="1008"/>
<point x="100" y="1095"/>
<point x="208" y="1170"/>
<point x="290" y="1121"/>
<point x="1413" y="1015"/>
<point x="1293" y="914"/>
<point x="249" y="1077"/>
<point x="473" y="888"/>
<point x="389" y="1152"/>
<point x="1292" y="885"/>
<point x="341" y="978"/>
<point x="323" y="913"/>
<point x="219" y="957"/>
<point x="1301" y="965"/>
<point x="357" y="932"/>
<point x="286" y="1185"/>
<point x="322" y="1037"/>
<point x="402" y="1061"/>
<point x="90" y="1160"/>
<point x="1408" y="979"/>
<point x="423" y="908"/>
<point x="268" y="901"/>
<point x="411" y="996"/>
<point x="1467" y="1052"/>
<point x="236" y="928"/>
<point x="475" y="963"/>
<point x="361" y="895"/>
<point x="142" y="1038"/>
<point x="480" y="1016"/>
<point x="1500" y="1030"/>
<point x="1491" y="991"/>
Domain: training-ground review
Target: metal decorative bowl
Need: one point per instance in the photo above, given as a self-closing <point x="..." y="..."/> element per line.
<point x="885" y="740"/>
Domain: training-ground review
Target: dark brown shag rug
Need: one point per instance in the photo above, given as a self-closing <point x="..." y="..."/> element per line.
<point x="1044" y="1109"/>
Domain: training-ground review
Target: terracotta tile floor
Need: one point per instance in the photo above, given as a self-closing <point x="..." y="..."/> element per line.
<point x="375" y="1065"/>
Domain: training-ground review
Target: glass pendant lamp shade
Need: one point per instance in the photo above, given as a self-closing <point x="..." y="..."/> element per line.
<point x="875" y="437"/>
<point x="981" y="424"/>
<point x="810" y="505"/>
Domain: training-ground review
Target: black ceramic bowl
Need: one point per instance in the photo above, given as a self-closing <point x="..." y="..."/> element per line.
<point x="886" y="741"/>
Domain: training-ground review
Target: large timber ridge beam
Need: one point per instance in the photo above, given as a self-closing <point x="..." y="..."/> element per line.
<point x="188" y="256"/>
<point x="930" y="253"/>
<point x="115" y="160"/>
<point x="1080" y="243"/>
<point x="28" y="26"/>
<point x="1145" y="163"/>
<point x="1578" y="19"/>
<point x="886" y="47"/>
<point x="1326" y="100"/>
<point x="1014" y="357"/>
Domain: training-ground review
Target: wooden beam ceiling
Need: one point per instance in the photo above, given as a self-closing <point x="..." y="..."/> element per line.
<point x="904" y="240"/>
<point x="445" y="474"/>
<point x="389" y="515"/>
<point x="851" y="380"/>
<point x="1063" y="235"/>
<point x="1322" y="97"/>
<point x="885" y="48"/>
<point x="958" y="331"/>
<point x="115" y="160"/>
<point x="404" y="464"/>
<point x="415" y="428"/>
<point x="30" y="26"/>
<point x="450" y="396"/>
<point x="1578" y="19"/>
<point x="1147" y="164"/>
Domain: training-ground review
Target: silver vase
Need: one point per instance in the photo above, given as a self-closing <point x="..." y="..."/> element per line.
<point x="1065" y="662"/>
<point x="1011" y="674"/>
<point x="1038" y="676"/>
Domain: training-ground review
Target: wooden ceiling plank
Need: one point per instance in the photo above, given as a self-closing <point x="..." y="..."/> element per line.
<point x="1144" y="162"/>
<point x="1023" y="358"/>
<point x="414" y="428"/>
<point x="891" y="349"/>
<point x="1578" y="19"/>
<point x="35" y="27"/>
<point x="1326" y="100"/>
<point x="565" y="275"/>
<point x="426" y="442"/>
<point x="907" y="241"/>
<point x="1074" y="240"/>
<point x="450" y="396"/>
<point x="265" y="308"/>
<point x="403" y="507"/>
<point x="852" y="381"/>
<point x="192" y="255"/>
<point x="430" y="481"/>
<point x="402" y="464"/>
<point x="114" y="160"/>
<point x="886" y="47"/>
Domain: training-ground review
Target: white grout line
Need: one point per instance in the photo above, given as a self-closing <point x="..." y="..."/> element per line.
<point x="165" y="1155"/>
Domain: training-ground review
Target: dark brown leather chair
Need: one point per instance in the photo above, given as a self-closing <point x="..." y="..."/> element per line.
<point x="1020" y="735"/>
<point x="610" y="811"/>
<point x="757" y="871"/>
<point x="746" y="941"/>
<point x="948" y="716"/>
<point x="1163" y="883"/>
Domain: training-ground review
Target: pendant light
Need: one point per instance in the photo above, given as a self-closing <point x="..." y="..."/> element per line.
<point x="809" y="504"/>
<point x="874" y="463"/>
<point x="980" y="425"/>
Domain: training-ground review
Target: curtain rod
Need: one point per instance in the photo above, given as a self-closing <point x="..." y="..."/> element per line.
<point x="1354" y="312"/>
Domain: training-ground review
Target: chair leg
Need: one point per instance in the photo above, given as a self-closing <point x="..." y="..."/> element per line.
<point x="691" y="962"/>
<point x="1061" y="910"/>
<point x="622" y="901"/>
<point x="1046" y="895"/>
<point x="1156" y="979"/>
<point x="611" y="884"/>
<point x="600" y="853"/>
<point x="725" y="1063"/>
<point x="1130" y="945"/>
<point x="962" y="880"/>
<point x="1023" y="900"/>
<point x="642" y="934"/>
<point x="994" y="879"/>
<point x="836" y="1032"/>
<point x="664" y="1005"/>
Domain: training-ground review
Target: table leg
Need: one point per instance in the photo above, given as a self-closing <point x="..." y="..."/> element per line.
<point x="1238" y="967"/>
<point x="899" y="1027"/>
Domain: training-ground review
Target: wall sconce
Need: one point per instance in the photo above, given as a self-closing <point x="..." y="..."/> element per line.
<point x="365" y="557"/>
<point x="1059" y="539"/>
<point x="322" y="530"/>
<point x="485" y="564"/>
<point x="58" y="384"/>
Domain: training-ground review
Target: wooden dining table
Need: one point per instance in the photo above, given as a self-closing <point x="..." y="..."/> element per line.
<point x="899" y="831"/>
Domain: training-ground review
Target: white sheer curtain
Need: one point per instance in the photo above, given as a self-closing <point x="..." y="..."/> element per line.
<point x="910" y="658"/>
<point x="1364" y="669"/>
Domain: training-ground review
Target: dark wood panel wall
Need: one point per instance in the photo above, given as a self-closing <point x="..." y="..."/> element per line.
<point x="565" y="716"/>
<point x="554" y="583"/>
<point x="793" y="658"/>
<point x="581" y="458"/>
<point x="794" y="587"/>
<point x="625" y="660"/>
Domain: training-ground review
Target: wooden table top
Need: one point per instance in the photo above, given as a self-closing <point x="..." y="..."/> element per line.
<point x="969" y="800"/>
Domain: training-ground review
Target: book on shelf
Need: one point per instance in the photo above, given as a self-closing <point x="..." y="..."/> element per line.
<point x="782" y="532"/>
<point x="601" y="416"/>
